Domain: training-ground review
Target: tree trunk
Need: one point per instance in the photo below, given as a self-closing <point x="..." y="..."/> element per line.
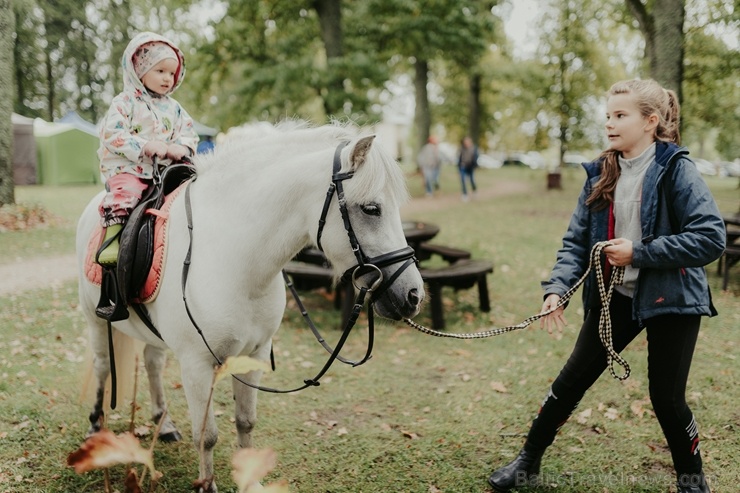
<point x="667" y="68"/>
<point x="474" y="108"/>
<point x="664" y="40"/>
<point x="422" y="115"/>
<point x="330" y="20"/>
<point x="50" y="93"/>
<point x="7" y="27"/>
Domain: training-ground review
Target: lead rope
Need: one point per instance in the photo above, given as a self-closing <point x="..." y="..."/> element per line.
<point x="605" y="322"/>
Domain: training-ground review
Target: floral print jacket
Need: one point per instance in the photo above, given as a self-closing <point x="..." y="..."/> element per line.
<point x="137" y="116"/>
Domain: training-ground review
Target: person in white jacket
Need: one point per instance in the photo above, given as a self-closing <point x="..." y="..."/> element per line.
<point x="143" y="123"/>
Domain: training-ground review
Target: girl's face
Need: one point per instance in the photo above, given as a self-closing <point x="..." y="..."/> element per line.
<point x="627" y="130"/>
<point x="161" y="78"/>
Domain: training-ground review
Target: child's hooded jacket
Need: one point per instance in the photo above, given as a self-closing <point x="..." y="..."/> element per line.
<point x="137" y="116"/>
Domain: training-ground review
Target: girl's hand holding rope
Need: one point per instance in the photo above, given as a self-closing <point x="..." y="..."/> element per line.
<point x="619" y="252"/>
<point x="556" y="319"/>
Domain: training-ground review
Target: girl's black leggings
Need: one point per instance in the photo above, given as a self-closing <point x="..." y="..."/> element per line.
<point x="671" y="341"/>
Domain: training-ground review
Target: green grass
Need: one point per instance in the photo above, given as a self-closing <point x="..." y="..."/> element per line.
<point x="424" y="414"/>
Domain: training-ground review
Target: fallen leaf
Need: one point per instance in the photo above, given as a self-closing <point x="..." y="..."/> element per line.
<point x="409" y="434"/>
<point x="251" y="465"/>
<point x="583" y="416"/>
<point x="240" y="364"/>
<point x="611" y="413"/>
<point x="105" y="449"/>
<point x="142" y="431"/>
<point x="131" y="483"/>
<point x="499" y="387"/>
<point x="279" y="487"/>
<point x="637" y="408"/>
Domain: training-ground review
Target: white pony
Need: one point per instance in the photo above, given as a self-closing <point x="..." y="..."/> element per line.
<point x="256" y="203"/>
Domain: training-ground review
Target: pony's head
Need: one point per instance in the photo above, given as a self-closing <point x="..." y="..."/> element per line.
<point x="363" y="234"/>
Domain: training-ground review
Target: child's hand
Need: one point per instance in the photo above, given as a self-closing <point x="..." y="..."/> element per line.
<point x="155" y="148"/>
<point x="176" y="152"/>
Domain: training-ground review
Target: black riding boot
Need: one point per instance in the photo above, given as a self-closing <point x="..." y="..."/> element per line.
<point x="522" y="471"/>
<point x="692" y="483"/>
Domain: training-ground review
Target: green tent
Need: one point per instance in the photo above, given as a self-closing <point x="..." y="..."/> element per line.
<point x="66" y="154"/>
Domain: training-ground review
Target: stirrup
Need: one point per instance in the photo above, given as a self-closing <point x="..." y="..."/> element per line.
<point x="110" y="306"/>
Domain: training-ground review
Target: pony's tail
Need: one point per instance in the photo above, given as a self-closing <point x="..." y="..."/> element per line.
<point x="125" y="349"/>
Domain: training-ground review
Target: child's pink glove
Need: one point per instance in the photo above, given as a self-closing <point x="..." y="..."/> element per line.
<point x="155" y="148"/>
<point x="176" y="152"/>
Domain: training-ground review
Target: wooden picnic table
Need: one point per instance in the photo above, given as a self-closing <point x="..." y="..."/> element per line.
<point x="418" y="232"/>
<point x="310" y="269"/>
<point x="731" y="256"/>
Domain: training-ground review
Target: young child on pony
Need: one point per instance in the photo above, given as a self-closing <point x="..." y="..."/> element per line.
<point x="143" y="123"/>
<point x="645" y="196"/>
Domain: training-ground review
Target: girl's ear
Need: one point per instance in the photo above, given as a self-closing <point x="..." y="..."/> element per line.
<point x="651" y="122"/>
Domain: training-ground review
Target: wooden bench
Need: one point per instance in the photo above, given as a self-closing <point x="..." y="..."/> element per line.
<point x="449" y="254"/>
<point x="728" y="259"/>
<point x="308" y="276"/>
<point x="462" y="274"/>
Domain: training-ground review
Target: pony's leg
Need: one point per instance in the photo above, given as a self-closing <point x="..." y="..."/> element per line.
<point x="101" y="370"/>
<point x="245" y="413"/>
<point x="154" y="361"/>
<point x="197" y="377"/>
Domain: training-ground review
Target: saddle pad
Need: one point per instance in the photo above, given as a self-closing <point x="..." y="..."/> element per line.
<point x="150" y="289"/>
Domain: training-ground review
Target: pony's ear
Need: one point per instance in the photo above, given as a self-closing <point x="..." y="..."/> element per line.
<point x="359" y="152"/>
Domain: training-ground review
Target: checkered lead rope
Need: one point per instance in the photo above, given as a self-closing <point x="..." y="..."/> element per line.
<point x="605" y="322"/>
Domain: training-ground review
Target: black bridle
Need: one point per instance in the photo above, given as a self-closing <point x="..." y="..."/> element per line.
<point x="365" y="266"/>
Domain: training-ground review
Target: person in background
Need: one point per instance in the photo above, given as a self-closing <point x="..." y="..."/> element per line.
<point x="143" y="123"/>
<point x="206" y="145"/>
<point x="467" y="161"/>
<point x="430" y="162"/>
<point x="645" y="196"/>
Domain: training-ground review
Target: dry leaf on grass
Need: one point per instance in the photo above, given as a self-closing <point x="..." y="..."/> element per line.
<point x="240" y="364"/>
<point x="105" y="449"/>
<point x="279" y="487"/>
<point x="499" y="387"/>
<point x="409" y="434"/>
<point x="251" y="465"/>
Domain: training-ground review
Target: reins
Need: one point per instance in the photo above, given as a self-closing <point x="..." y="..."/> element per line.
<point x="605" y="324"/>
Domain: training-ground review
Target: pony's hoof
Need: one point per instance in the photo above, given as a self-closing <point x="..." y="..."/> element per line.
<point x="171" y="437"/>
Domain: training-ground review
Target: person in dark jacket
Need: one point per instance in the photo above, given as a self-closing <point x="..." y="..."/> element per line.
<point x="647" y="199"/>
<point x="467" y="161"/>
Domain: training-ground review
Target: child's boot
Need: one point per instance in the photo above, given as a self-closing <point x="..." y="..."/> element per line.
<point x="108" y="253"/>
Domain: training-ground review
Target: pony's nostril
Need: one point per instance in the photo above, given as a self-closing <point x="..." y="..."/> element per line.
<point x="414" y="298"/>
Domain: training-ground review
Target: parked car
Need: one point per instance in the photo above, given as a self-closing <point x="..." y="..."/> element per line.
<point x="489" y="162"/>
<point x="728" y="168"/>
<point x="705" y="167"/>
<point x="574" y="160"/>
<point x="532" y="159"/>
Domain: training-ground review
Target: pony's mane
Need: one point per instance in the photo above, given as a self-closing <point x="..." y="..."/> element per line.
<point x="259" y="144"/>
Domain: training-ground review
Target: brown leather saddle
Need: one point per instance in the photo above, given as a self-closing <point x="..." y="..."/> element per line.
<point x="122" y="282"/>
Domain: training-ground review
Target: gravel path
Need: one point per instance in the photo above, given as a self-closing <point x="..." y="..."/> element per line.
<point x="40" y="272"/>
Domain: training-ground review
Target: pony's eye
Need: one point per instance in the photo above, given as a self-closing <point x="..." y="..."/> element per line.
<point x="371" y="209"/>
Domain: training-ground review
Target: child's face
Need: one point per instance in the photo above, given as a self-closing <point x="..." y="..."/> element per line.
<point x="627" y="129"/>
<point x="161" y="78"/>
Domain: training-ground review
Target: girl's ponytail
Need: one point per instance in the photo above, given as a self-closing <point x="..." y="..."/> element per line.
<point x="669" y="127"/>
